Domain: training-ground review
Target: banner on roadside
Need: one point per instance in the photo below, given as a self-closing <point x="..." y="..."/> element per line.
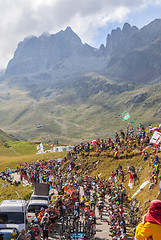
<point x="156" y="138"/>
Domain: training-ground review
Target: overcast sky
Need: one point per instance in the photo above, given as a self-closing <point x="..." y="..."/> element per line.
<point x="92" y="20"/>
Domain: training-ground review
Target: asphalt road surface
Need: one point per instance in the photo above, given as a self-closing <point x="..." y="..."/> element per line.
<point x="102" y="227"/>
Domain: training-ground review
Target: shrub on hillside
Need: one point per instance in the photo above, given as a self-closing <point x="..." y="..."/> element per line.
<point x="6" y="145"/>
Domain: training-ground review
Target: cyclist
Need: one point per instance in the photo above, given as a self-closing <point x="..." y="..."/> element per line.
<point x="86" y="209"/>
<point x="77" y="207"/>
<point x="93" y="203"/>
<point x="82" y="203"/>
<point x="100" y="207"/>
<point x="92" y="218"/>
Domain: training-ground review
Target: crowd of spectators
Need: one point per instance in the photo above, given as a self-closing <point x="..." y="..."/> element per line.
<point x="67" y="182"/>
<point x="117" y="197"/>
<point x="121" y="143"/>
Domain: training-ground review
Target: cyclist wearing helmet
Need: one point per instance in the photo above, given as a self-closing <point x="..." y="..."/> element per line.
<point x="93" y="203"/>
<point x="100" y="207"/>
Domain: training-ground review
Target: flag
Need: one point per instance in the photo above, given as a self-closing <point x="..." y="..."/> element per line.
<point x="40" y="147"/>
<point x="129" y="123"/>
<point x="127" y="116"/>
<point x="131" y="177"/>
<point x="130" y="184"/>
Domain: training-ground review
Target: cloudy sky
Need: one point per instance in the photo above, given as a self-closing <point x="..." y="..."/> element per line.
<point x="92" y="20"/>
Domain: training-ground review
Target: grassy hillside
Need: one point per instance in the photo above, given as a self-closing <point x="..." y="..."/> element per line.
<point x="14" y="160"/>
<point x="101" y="165"/>
<point x="20" y="152"/>
<point x="6" y="137"/>
<point x="9" y="191"/>
<point x="105" y="163"/>
<point x="69" y="118"/>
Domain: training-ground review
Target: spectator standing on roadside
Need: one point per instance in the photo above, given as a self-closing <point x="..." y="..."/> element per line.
<point x="135" y="178"/>
<point x="45" y="228"/>
<point x="14" y="235"/>
<point x="23" y="235"/>
<point x="31" y="232"/>
<point x="37" y="232"/>
<point x="151" y="227"/>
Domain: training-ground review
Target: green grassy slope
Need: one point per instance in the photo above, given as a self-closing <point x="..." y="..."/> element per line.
<point x="70" y="119"/>
<point x="20" y="152"/>
<point x="6" y="137"/>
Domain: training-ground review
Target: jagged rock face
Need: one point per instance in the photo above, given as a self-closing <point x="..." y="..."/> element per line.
<point x="121" y="40"/>
<point x="130" y="38"/>
<point x="137" y="98"/>
<point x="48" y="52"/>
<point x="140" y="65"/>
<point x="130" y="54"/>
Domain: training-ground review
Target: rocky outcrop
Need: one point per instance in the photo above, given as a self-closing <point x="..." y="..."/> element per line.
<point x="121" y="41"/>
<point x="130" y="55"/>
<point x="138" y="98"/>
<point x="140" y="65"/>
<point x="130" y="38"/>
<point x="56" y="52"/>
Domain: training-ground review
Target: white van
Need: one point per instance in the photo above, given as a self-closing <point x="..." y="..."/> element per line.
<point x="13" y="214"/>
<point x="39" y="197"/>
<point x="34" y="206"/>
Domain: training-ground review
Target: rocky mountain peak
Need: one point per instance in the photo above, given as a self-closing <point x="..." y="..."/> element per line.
<point x="44" y="36"/>
<point x="120" y="40"/>
<point x="126" y="27"/>
<point x="70" y="36"/>
<point x="69" y="29"/>
<point x="127" y="53"/>
<point x="48" y="51"/>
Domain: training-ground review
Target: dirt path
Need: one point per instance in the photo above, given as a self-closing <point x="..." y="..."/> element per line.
<point x="15" y="152"/>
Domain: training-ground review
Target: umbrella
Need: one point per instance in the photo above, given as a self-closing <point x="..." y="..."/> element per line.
<point x="94" y="141"/>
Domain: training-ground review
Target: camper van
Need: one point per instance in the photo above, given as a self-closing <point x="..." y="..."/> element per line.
<point x="13" y="214"/>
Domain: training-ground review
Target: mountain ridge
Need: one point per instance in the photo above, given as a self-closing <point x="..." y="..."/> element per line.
<point x="74" y="90"/>
<point x="63" y="54"/>
<point x="42" y="53"/>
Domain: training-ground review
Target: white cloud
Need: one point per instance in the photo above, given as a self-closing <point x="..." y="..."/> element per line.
<point x="19" y="18"/>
